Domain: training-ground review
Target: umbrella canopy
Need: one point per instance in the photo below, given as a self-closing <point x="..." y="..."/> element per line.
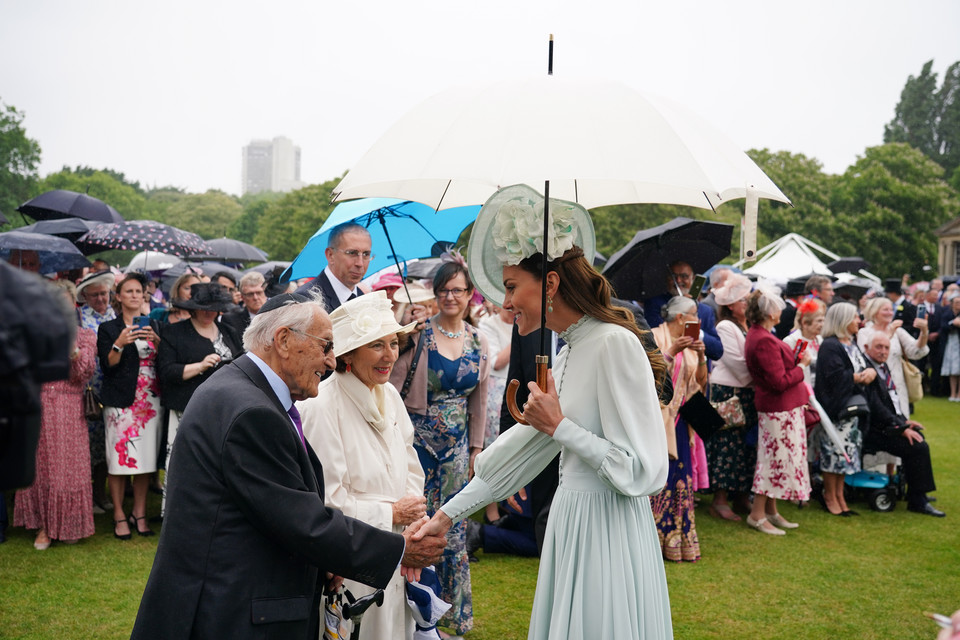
<point x="640" y="269"/>
<point x="597" y="142"/>
<point x="232" y="250"/>
<point x="850" y="264"/>
<point x="69" y="228"/>
<point x="147" y="261"/>
<point x="399" y="230"/>
<point x="269" y="267"/>
<point x="143" y="234"/>
<point x="56" y="254"/>
<point x="61" y="203"/>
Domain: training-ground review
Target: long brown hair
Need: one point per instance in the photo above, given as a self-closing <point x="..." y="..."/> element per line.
<point x="588" y="292"/>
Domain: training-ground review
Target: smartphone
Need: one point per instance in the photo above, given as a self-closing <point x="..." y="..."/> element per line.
<point x="692" y="329"/>
<point x="697" y="287"/>
<point x="141" y="322"/>
<point x="921" y="311"/>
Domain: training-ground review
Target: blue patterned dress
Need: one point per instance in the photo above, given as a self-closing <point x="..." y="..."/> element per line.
<point x="442" y="442"/>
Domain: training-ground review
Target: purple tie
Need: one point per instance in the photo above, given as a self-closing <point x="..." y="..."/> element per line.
<point x="295" y="416"/>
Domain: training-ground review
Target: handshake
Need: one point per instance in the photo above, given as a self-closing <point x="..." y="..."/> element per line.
<point x="425" y="541"/>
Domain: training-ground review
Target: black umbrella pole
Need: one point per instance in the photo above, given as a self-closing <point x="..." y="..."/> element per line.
<point x="550" y="57"/>
<point x="543" y="269"/>
<point x="396" y="261"/>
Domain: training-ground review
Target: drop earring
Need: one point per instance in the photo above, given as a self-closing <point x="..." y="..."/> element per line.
<point x="348" y="367"/>
<point x="549" y="304"/>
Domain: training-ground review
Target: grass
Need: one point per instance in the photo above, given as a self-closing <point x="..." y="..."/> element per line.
<point x="867" y="577"/>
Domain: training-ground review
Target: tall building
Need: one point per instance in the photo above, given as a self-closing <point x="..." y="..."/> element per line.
<point x="271" y="165"/>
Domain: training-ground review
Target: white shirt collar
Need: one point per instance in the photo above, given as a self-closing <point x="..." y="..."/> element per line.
<point x="343" y="293"/>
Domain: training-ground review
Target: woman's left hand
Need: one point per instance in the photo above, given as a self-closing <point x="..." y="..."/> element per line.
<point x="699" y="347"/>
<point x="542" y="408"/>
<point x="147" y="333"/>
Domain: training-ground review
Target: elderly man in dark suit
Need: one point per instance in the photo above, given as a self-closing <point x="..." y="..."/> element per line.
<point x="892" y="432"/>
<point x="348" y="256"/>
<point x="247" y="535"/>
<point x="252" y="296"/>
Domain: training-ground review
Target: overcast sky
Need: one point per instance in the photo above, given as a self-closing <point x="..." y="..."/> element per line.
<point x="169" y="92"/>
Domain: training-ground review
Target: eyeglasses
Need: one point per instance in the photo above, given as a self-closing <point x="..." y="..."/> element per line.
<point x="353" y="254"/>
<point x="254" y="294"/>
<point x="326" y="344"/>
<point x="456" y="293"/>
<point x="681" y="276"/>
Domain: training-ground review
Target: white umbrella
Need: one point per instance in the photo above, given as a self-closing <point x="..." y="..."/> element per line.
<point x="597" y="143"/>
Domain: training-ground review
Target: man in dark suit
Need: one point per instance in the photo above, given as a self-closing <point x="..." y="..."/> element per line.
<point x="679" y="281"/>
<point x="794" y="292"/>
<point x="246" y="534"/>
<point x="253" y="297"/>
<point x="892" y="432"/>
<point x="903" y="309"/>
<point x="348" y="256"/>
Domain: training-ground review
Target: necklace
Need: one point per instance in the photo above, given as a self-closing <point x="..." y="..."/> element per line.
<point x="450" y="334"/>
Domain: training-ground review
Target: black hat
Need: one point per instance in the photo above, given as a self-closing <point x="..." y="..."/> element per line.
<point x="276" y="302"/>
<point x="795" y="287"/>
<point x="207" y="296"/>
<point x="893" y="285"/>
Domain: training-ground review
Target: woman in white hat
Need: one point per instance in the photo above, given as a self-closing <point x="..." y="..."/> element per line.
<point x="360" y="430"/>
<point x="601" y="571"/>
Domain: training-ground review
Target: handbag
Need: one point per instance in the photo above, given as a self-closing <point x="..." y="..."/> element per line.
<point x="731" y="410"/>
<point x="92" y="409"/>
<point x="700" y="414"/>
<point x="855" y="406"/>
<point x="810" y="416"/>
<point x="914" y="380"/>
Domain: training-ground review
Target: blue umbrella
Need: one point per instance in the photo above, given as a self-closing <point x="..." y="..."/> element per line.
<point x="399" y="229"/>
<point x="56" y="254"/>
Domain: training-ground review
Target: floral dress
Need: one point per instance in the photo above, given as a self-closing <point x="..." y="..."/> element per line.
<point x="133" y="433"/>
<point x="441" y="441"/>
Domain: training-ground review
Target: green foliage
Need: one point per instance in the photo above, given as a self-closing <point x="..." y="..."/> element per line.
<point x="19" y="158"/>
<point x="209" y="214"/>
<point x="287" y="224"/>
<point x="105" y="184"/>
<point x="254" y="206"/>
<point x="928" y="119"/>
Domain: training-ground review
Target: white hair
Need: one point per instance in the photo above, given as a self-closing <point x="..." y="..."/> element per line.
<point x="297" y="315"/>
<point x="675" y="306"/>
<point x="252" y="279"/>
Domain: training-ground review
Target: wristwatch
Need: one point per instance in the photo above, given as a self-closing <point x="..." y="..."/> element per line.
<point x="116" y="348"/>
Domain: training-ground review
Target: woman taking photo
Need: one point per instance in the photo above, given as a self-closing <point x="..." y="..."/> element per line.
<point x="131" y="404"/>
<point x="687" y="367"/>
<point x="807" y="326"/>
<point x="360" y="430"/>
<point x="191" y="351"/>
<point x="59" y="503"/>
<point x="730" y="460"/>
<point x="780" y="394"/>
<point x="447" y="402"/>
<point x="601" y="569"/>
<point x="842" y="372"/>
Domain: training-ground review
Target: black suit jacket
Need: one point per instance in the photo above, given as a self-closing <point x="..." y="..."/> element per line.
<point x="246" y="531"/>
<point x="884" y="419"/>
<point x="907" y="311"/>
<point x="120" y="381"/>
<point x="181" y="345"/>
<point x="322" y="284"/>
<point x="236" y="320"/>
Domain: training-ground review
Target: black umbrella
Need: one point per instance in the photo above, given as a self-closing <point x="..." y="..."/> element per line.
<point x="140" y="235"/>
<point x="206" y="268"/>
<point x="850" y="264"/>
<point x="56" y="254"/>
<point x="69" y="228"/>
<point x="62" y="203"/>
<point x="270" y="267"/>
<point x="639" y="270"/>
<point x="234" y="251"/>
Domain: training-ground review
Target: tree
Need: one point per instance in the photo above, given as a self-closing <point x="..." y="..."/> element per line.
<point x="888" y="204"/>
<point x="209" y="214"/>
<point x="19" y="157"/>
<point x="254" y="206"/>
<point x="102" y="184"/>
<point x="288" y="223"/>
<point x="929" y="119"/>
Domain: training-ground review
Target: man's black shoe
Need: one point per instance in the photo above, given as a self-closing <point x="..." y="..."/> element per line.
<point x="928" y="509"/>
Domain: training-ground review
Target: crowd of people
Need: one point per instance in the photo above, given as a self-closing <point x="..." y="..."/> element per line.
<point x="402" y="415"/>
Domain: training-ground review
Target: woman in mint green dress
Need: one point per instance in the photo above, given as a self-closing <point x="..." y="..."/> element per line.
<point x="601" y="571"/>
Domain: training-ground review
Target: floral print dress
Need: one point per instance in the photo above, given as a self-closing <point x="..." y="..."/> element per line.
<point x="133" y="433"/>
<point x="441" y="440"/>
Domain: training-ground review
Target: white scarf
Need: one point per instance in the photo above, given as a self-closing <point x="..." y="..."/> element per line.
<point x="370" y="402"/>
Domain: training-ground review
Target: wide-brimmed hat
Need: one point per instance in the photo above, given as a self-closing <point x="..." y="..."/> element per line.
<point x="418" y="293"/>
<point x="509" y="228"/>
<point x="104" y="277"/>
<point x="207" y="296"/>
<point x="737" y="287"/>
<point x="362" y="320"/>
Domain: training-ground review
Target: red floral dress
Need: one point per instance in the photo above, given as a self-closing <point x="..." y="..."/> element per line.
<point x="133" y="433"/>
<point x="60" y="501"/>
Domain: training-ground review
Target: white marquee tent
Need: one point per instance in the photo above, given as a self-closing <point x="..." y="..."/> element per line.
<point x="793" y="256"/>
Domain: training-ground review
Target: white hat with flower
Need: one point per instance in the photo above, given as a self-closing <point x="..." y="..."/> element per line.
<point x="509" y="228"/>
<point x="362" y="320"/>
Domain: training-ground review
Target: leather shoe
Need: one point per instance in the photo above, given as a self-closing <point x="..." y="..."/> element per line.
<point x="927" y="509"/>
<point x="849" y="512"/>
<point x="474" y="539"/>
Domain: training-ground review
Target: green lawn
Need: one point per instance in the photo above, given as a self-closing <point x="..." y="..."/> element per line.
<point x="867" y="577"/>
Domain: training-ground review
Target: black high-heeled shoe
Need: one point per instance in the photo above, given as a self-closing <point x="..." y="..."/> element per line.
<point x="116" y="535"/>
<point x="133" y="522"/>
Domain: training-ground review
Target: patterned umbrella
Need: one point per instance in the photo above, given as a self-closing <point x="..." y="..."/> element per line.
<point x="61" y="203"/>
<point x="139" y="235"/>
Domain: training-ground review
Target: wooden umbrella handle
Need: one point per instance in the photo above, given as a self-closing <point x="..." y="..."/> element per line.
<point x="542" y="367"/>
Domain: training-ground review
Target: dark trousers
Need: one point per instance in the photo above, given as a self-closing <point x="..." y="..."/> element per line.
<point x="916" y="462"/>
